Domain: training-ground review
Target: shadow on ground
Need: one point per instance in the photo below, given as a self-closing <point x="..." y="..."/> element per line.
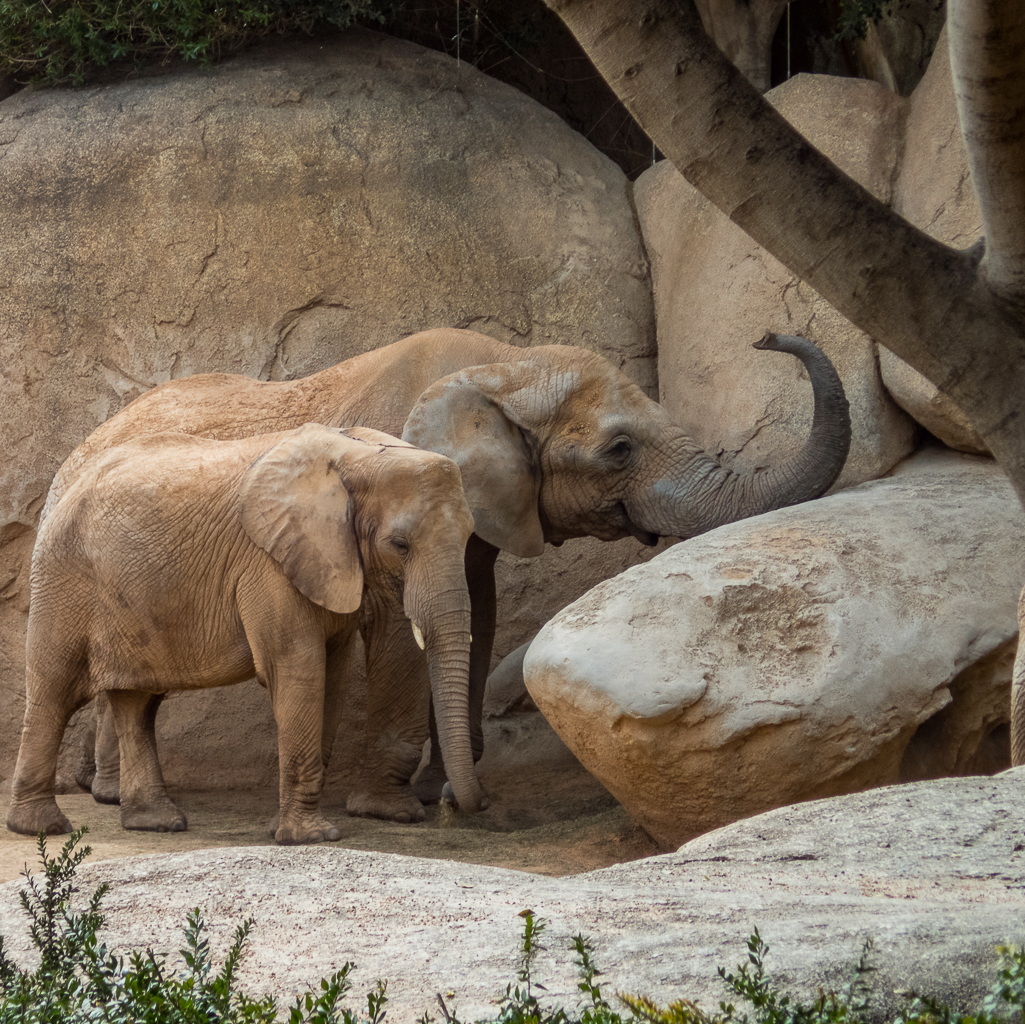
<point x="552" y="819"/>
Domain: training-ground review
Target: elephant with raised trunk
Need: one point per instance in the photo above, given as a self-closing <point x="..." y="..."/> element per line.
<point x="553" y="442"/>
<point x="178" y="562"/>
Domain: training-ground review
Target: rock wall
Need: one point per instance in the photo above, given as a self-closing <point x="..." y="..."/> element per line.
<point x="270" y="216"/>
<point x="934" y="191"/>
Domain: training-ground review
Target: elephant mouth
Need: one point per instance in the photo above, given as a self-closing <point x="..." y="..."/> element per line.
<point x="618" y="525"/>
<point x="646" y="537"/>
<point x="649" y="540"/>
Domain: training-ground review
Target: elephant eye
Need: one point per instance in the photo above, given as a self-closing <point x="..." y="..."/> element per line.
<point x="400" y="544"/>
<point x="619" y="450"/>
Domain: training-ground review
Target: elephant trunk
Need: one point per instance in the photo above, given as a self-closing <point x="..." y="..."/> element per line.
<point x="442" y="625"/>
<point x="1018" y="696"/>
<point x="702" y="494"/>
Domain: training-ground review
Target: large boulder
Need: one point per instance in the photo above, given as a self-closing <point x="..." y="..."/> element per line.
<point x="270" y="216"/>
<point x="855" y="641"/>
<point x="933" y="872"/>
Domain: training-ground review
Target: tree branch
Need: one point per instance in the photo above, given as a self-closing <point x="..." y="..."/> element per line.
<point x="987" y="44"/>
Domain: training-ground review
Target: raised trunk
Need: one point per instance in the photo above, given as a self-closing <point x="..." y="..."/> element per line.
<point x="440" y="612"/>
<point x="703" y="494"/>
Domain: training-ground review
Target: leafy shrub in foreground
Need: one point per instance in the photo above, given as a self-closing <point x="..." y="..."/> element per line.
<point x="78" y="980"/>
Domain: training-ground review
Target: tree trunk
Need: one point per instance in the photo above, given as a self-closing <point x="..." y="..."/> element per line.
<point x="987" y="58"/>
<point x="949" y="314"/>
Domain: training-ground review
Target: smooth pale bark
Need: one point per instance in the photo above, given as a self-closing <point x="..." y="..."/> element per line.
<point x="987" y="57"/>
<point x="926" y="302"/>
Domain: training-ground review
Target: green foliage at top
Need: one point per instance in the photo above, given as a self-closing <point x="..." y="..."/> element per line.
<point x="78" y="981"/>
<point x="60" y="41"/>
<point x="857" y="15"/>
<point x="57" y="42"/>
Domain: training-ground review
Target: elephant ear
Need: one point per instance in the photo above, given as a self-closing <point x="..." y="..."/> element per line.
<point x="371" y="436"/>
<point x="295" y="506"/>
<point x="458" y="417"/>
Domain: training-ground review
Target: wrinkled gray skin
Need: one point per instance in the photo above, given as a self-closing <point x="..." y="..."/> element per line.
<point x="177" y="562"/>
<point x="553" y="442"/>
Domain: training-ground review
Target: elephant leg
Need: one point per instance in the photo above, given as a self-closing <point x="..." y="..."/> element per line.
<point x="398" y="697"/>
<point x="480" y="579"/>
<point x="33" y="807"/>
<point x="106" y="785"/>
<point x="86" y="771"/>
<point x="145" y="804"/>
<point x="297" y="689"/>
<point x="345" y="672"/>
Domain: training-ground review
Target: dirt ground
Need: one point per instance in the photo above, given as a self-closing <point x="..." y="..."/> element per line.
<point x="549" y="818"/>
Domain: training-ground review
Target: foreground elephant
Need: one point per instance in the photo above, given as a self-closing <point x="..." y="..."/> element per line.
<point x="552" y="442"/>
<point x="177" y="562"/>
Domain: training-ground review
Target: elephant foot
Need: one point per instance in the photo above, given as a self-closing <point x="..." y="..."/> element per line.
<point x="397" y="804"/>
<point x="314" y="829"/>
<point x="158" y="816"/>
<point x="106" y="788"/>
<point x="428" y="785"/>
<point x="29" y="818"/>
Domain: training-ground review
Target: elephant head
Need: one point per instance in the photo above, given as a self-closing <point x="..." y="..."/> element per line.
<point x="563" y="445"/>
<point x="349" y="511"/>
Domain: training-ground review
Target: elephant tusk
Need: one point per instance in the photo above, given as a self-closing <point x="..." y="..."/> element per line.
<point x="419" y="637"/>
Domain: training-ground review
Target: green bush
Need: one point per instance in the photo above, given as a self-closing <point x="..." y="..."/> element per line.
<point x="58" y="41"/>
<point x="78" y="980"/>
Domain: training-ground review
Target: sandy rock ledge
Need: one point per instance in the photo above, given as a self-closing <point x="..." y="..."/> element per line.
<point x="933" y="872"/>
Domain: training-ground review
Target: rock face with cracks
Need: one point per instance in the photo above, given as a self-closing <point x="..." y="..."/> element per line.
<point x="850" y="642"/>
<point x="272" y="215"/>
<point x="932" y="872"/>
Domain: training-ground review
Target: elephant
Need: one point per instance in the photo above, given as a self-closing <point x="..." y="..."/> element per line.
<point x="179" y="562"/>
<point x="553" y="442"/>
